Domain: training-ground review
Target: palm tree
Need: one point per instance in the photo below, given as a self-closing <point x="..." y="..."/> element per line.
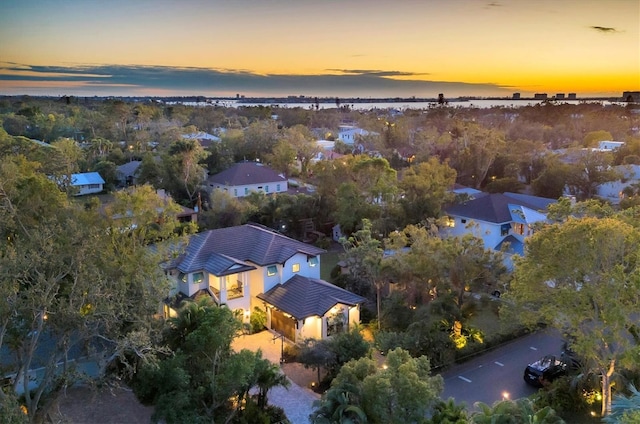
<point x="190" y="316"/>
<point x="450" y="413"/>
<point x="268" y="376"/>
<point x="337" y="408"/>
<point x="520" y="411"/>
<point x="625" y="409"/>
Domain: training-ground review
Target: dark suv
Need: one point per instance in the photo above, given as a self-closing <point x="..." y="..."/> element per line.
<point x="544" y="371"/>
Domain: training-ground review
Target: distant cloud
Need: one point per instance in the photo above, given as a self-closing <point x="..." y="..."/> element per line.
<point x="134" y="80"/>
<point x="606" y="30"/>
<point x="376" y="73"/>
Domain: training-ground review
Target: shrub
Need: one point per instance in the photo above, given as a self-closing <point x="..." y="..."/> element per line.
<point x="258" y="320"/>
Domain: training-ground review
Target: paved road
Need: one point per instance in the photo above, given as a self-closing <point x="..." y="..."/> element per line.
<point x="497" y="374"/>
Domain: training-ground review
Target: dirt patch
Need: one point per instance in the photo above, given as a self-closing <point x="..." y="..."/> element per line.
<point x="105" y="405"/>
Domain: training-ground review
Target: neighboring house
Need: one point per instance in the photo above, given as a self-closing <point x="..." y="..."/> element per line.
<point x="609" y="146"/>
<point x="251" y="266"/>
<point x="205" y="139"/>
<point x="186" y="214"/>
<point x="348" y="133"/>
<point x="87" y="183"/>
<point x="498" y="219"/>
<point x="612" y="190"/>
<point x="245" y="177"/>
<point x="128" y="173"/>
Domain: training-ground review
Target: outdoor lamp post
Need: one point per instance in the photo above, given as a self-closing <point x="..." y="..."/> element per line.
<point x="281" y="337"/>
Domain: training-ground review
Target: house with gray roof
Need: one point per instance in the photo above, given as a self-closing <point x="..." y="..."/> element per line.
<point x="252" y="266"/>
<point x="128" y="173"/>
<point x="246" y="177"/>
<point x="500" y="220"/>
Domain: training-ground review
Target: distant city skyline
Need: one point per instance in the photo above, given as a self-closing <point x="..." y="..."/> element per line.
<point x="329" y="48"/>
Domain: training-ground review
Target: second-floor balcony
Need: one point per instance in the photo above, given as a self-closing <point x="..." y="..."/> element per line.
<point x="234" y="290"/>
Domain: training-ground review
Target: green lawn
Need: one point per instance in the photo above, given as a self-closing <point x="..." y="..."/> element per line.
<point x="327" y="262"/>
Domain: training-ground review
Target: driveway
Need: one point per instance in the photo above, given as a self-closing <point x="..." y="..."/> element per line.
<point x="296" y="401"/>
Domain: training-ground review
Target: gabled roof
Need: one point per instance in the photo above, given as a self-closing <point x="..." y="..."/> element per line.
<point x="86" y="179"/>
<point x="515" y="245"/>
<point x="129" y="168"/>
<point x="497" y="207"/>
<point x="246" y="173"/>
<point x="304" y="297"/>
<point x="229" y="249"/>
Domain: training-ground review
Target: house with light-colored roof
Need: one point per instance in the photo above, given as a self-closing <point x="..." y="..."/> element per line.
<point x="500" y="220"/>
<point x="349" y="133"/>
<point x="246" y="177"/>
<point x="87" y="183"/>
<point x="252" y="266"/>
<point x="205" y="139"/>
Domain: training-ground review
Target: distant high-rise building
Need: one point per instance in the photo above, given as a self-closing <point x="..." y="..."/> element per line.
<point x="560" y="96"/>
<point x="571" y="96"/>
<point x="516" y="96"/>
<point x="540" y="96"/>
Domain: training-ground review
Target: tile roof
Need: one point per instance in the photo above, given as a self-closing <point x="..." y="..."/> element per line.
<point x="304" y="297"/>
<point x="129" y="168"/>
<point x="252" y="243"/>
<point x="246" y="173"/>
<point x="495" y="207"/>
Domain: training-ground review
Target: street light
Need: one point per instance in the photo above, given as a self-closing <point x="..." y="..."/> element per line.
<point x="505" y="395"/>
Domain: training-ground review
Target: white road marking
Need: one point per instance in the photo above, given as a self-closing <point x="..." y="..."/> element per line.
<point x="464" y="379"/>
<point x="499" y="363"/>
<point x="533" y="348"/>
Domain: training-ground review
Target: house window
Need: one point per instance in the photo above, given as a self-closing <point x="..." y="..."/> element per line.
<point x="94" y="185"/>
<point x="182" y="277"/>
<point x="450" y="222"/>
<point x="504" y="229"/>
<point x="464" y="221"/>
<point x="313" y="261"/>
<point x="295" y="268"/>
<point x="198" y="277"/>
<point x="235" y="192"/>
<point x="266" y="189"/>
<point x="271" y="270"/>
<point x="518" y="228"/>
<point x="277" y="187"/>
<point x="246" y="191"/>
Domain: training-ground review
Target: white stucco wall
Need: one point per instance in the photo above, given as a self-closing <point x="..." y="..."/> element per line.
<point x="489" y="232"/>
<point x="306" y="269"/>
<point x="268" y="188"/>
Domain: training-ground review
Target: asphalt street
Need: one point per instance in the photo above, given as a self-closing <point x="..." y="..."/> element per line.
<point x="498" y="374"/>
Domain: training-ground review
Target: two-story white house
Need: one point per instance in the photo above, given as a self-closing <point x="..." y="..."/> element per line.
<point x="348" y="134"/>
<point x="251" y="266"/>
<point x="245" y="177"/>
<point x="498" y="219"/>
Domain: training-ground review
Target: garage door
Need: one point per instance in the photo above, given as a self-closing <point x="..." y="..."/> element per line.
<point x="283" y="325"/>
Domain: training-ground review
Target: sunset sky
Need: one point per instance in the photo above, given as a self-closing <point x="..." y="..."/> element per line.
<point x="360" y="48"/>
